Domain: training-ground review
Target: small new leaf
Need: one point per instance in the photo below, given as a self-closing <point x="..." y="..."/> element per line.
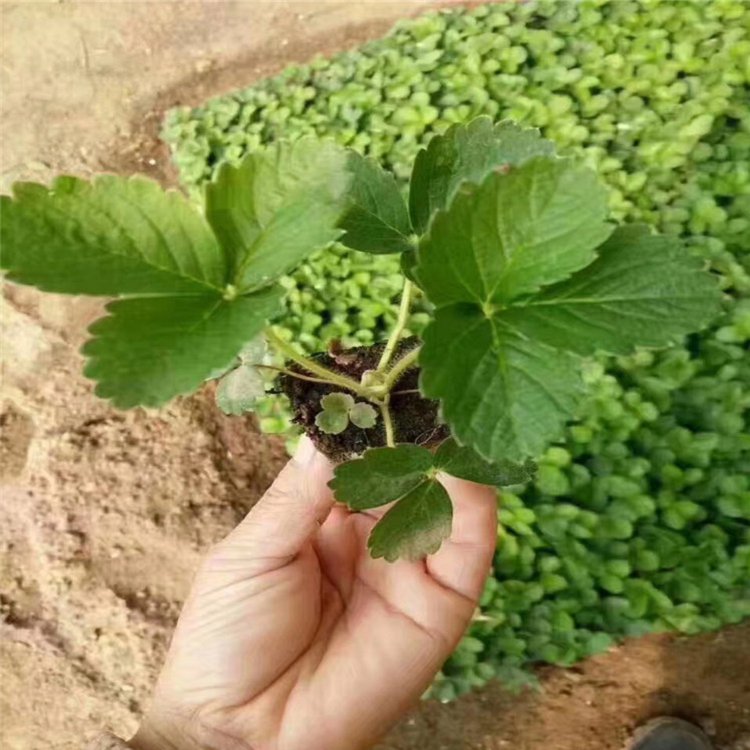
<point x="363" y="415"/>
<point x="333" y="418"/>
<point x="337" y="402"/>
<point x="465" y="463"/>
<point x="332" y="422"/>
<point x="239" y="390"/>
<point x="380" y="476"/>
<point x="415" y="526"/>
<point x="376" y="219"/>
<point x="339" y="408"/>
<point x="467" y="153"/>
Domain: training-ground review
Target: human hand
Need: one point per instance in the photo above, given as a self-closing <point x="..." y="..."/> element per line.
<point x="294" y="638"/>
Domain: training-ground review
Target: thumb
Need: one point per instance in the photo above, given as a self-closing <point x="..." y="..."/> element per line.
<point x="287" y="515"/>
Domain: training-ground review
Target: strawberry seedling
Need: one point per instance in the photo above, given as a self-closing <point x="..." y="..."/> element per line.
<point x="510" y="246"/>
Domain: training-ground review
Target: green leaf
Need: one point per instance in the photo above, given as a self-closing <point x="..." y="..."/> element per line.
<point x="337" y="402"/>
<point x="150" y="349"/>
<point x="503" y="395"/>
<point x="253" y="353"/>
<point x="277" y="207"/>
<point x="409" y="265"/>
<point x="641" y="291"/>
<point x="295" y="232"/>
<point x="514" y="233"/>
<point x="380" y="476"/>
<point x="363" y="415"/>
<point x="332" y="422"/>
<point x="414" y="527"/>
<point x="107" y="237"/>
<point x="339" y="408"/>
<point x="377" y="220"/>
<point x="230" y="210"/>
<point x="467" y="153"/>
<point x="465" y="463"/>
<point x="239" y="390"/>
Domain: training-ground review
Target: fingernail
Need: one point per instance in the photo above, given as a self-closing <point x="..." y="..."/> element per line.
<point x="306" y="451"/>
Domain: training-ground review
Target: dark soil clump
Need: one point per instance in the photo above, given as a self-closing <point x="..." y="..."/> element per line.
<point x="415" y="419"/>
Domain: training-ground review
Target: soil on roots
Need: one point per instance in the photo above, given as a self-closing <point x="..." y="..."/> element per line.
<point x="415" y="419"/>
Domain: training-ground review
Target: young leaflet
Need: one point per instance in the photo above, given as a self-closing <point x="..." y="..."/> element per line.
<point x="510" y="244"/>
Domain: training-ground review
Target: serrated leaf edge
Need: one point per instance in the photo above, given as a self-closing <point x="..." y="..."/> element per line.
<point x="171" y="194"/>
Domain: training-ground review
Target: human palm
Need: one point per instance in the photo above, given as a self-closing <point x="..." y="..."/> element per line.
<point x="294" y="638"/>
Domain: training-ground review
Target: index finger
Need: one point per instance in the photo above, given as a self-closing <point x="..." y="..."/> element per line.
<point x="463" y="561"/>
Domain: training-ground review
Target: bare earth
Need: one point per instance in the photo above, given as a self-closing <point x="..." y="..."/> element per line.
<point x="104" y="514"/>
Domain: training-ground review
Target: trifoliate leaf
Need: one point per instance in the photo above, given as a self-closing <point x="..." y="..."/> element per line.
<point x="337" y="402"/>
<point x="110" y="236"/>
<point x="465" y="463"/>
<point x="421" y="518"/>
<point x="150" y="349"/>
<point x="333" y="418"/>
<point x="502" y="394"/>
<point x="467" y="153"/>
<point x="129" y="237"/>
<point x="239" y="390"/>
<point x="416" y="526"/>
<point x="376" y="220"/>
<point x="277" y="207"/>
<point x="332" y="422"/>
<point x="513" y="234"/>
<point x="380" y="476"/>
<point x="338" y="408"/>
<point x="363" y="415"/>
<point x="641" y="291"/>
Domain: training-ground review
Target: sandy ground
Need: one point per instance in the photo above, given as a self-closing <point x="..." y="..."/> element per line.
<point x="104" y="514"/>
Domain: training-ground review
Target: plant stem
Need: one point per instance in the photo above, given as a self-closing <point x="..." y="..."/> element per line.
<point x="328" y="376"/>
<point x="385" y="410"/>
<point x="402" y="365"/>
<point x="403" y="316"/>
<point x="293" y="374"/>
